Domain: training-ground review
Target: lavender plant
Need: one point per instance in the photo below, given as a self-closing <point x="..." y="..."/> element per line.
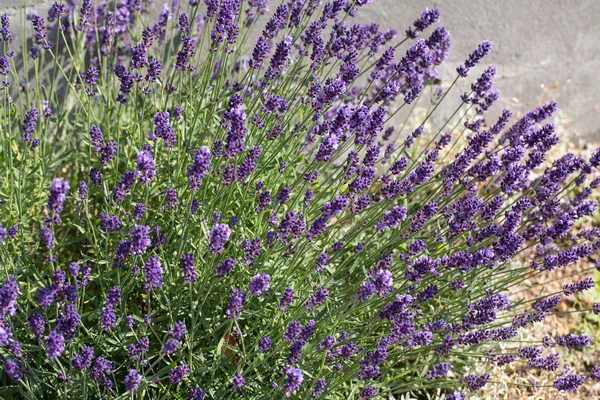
<point x="190" y="211"/>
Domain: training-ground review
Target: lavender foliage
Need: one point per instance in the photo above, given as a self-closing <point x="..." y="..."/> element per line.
<point x="249" y="219"/>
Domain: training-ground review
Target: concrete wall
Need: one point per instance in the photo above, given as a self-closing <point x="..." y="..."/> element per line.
<point x="543" y="49"/>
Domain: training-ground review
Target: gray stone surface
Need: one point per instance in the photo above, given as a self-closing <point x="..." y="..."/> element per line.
<point x="543" y="49"/>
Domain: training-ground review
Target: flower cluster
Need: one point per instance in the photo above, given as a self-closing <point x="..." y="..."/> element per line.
<point x="244" y="225"/>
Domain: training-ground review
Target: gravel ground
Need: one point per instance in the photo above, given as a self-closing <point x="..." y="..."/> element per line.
<point x="514" y="381"/>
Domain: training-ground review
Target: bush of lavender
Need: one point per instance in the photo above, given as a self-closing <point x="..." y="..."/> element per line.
<point x="216" y="201"/>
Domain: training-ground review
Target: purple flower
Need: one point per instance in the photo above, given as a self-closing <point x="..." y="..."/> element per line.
<point x="163" y="129"/>
<point x="39" y="27"/>
<point x="286" y="299"/>
<point x="154" y="69"/>
<point x="29" y="123"/>
<point x="228" y="174"/>
<point x="427" y="294"/>
<point x="276" y="22"/>
<point x="320" y="386"/>
<point x="127" y="80"/>
<point x="184" y="23"/>
<point x="177" y="374"/>
<point x="5" y="28"/>
<point x="58" y="194"/>
<point x="368" y="393"/>
<point x="122" y="189"/>
<point x="139" y="57"/>
<point x="200" y="167"/>
<point x="95" y="177"/>
<point x="153" y="273"/>
<point x="382" y="281"/>
<point x="428" y="17"/>
<point x="327" y="343"/>
<point x="170" y="346"/>
<point x="264" y="200"/>
<point x="140" y="239"/>
<point x="194" y="205"/>
<point x="196" y="393"/>
<point x="100" y="369"/>
<point x="132" y="380"/>
<point x="171" y="198"/>
<point x="475" y="382"/>
<point x="260" y="52"/>
<point x="573" y="341"/>
<point x="10" y="233"/>
<point x="55" y="345"/>
<point x="13" y="370"/>
<point x="55" y="11"/>
<point x="68" y="321"/>
<point x="187" y="51"/>
<point x="90" y="78"/>
<point x="108" y="318"/>
<point x="264" y="345"/>
<point x="136" y="350"/>
<point x="322" y="261"/>
<point x="260" y="283"/>
<point x="139" y="211"/>
<point x="595" y="373"/>
<point x="529" y="352"/>
<point x="122" y="251"/>
<point x="238" y="381"/>
<point x="283" y="196"/>
<point x="438" y="371"/>
<point x="46" y="110"/>
<point x="145" y="166"/>
<point x="234" y="121"/>
<point x="218" y="237"/>
<point x="107" y="153"/>
<point x="294" y="378"/>
<point x="279" y="59"/>
<point x="251" y="249"/>
<point x="110" y="223"/>
<point x="159" y="238"/>
<point x="4" y="66"/>
<point x="5" y="334"/>
<point x="113" y="298"/>
<point x="8" y="297"/>
<point x="292" y="331"/>
<point x="96" y="138"/>
<point x="236" y="303"/>
<point x="568" y="382"/>
<point x="225" y="267"/>
<point x="47" y="237"/>
<point x="37" y="325"/>
<point x="83" y="190"/>
<point x="189" y="269"/>
<point x="366" y="290"/>
<point x="334" y="207"/>
<point x="482" y="50"/>
<point x="83" y="359"/>
<point x="212" y="6"/>
<point x="74" y="269"/>
<point x="179" y="330"/>
<point x="578" y="287"/>
<point x="317" y="298"/>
